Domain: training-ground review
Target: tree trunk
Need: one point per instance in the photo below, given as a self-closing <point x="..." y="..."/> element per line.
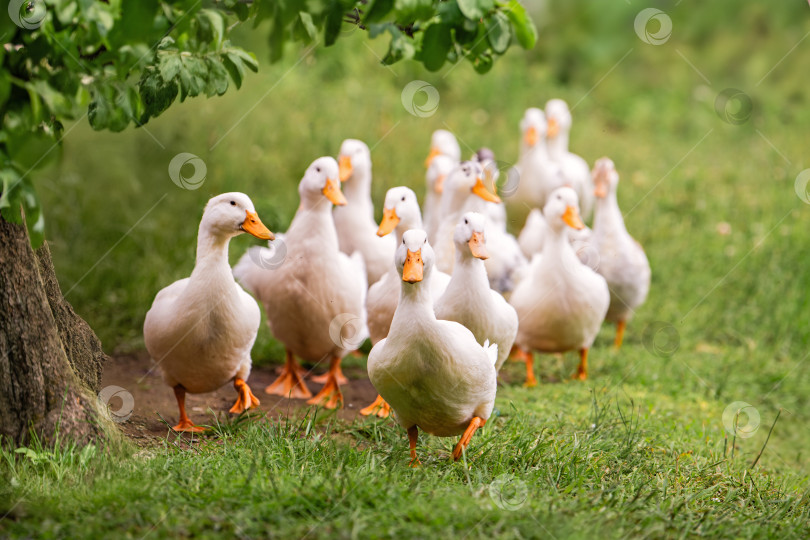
<point x="50" y="359"/>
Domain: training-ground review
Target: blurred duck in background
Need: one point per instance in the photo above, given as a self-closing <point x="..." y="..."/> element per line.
<point x="621" y="259"/>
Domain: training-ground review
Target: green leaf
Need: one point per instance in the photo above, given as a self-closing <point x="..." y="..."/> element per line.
<point x="309" y="26"/>
<point x="499" y="32"/>
<point x="334" y="20"/>
<point x="217" y="77"/>
<point x="235" y="69"/>
<point x="436" y="43"/>
<point x="413" y="10"/>
<point x="169" y="65"/>
<point x="216" y="23"/>
<point x="525" y="31"/>
<point x="156" y="94"/>
<point x="475" y="9"/>
<point x="377" y="10"/>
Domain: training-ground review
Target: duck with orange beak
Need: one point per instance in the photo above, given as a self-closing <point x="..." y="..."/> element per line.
<point x="445" y="154"/>
<point x="621" y="258"/>
<point x="433" y="373"/>
<point x="313" y="294"/>
<point x="355" y="221"/>
<point x="400" y="213"/>
<point x="561" y="302"/>
<point x="537" y="174"/>
<point x="469" y="300"/>
<point x="200" y="330"/>
<point x="573" y="168"/>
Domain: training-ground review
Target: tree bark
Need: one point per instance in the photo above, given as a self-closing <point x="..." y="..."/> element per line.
<point x="50" y="359"/>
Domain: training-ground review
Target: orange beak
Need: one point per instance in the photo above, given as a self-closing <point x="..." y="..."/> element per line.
<point x="253" y="225"/>
<point x="531" y="137"/>
<point x="480" y="189"/>
<point x="332" y="192"/>
<point x="414" y="267"/>
<point x="553" y="128"/>
<point x="438" y="185"/>
<point x="600" y="187"/>
<point x="478" y="246"/>
<point x="433" y="153"/>
<point x="389" y="221"/>
<point x="572" y="219"/>
<point x="345" y="167"/>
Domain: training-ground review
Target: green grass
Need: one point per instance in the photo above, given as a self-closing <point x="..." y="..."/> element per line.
<point x="640" y="450"/>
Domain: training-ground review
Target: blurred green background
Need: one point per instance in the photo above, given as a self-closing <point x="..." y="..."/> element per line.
<point x="713" y="202"/>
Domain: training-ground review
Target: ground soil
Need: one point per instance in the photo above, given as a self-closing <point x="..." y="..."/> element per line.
<point x="137" y="374"/>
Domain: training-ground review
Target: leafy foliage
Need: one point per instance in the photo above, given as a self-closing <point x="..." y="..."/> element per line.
<point x="127" y="62"/>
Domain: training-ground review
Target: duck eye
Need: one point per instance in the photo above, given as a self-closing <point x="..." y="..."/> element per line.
<point x="318" y="169"/>
<point x="403" y="197"/>
<point x="233" y="203"/>
<point x="466" y="222"/>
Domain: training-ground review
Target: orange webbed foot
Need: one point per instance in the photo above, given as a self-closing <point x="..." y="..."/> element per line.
<point x="187" y="426"/>
<point x="291" y="381"/>
<point x="246" y="400"/>
<point x="522" y="355"/>
<point x="330" y="396"/>
<point x="380" y="408"/>
<point x="333" y="371"/>
<point x="475" y="423"/>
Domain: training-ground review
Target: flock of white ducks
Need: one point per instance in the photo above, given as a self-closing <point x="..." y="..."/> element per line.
<point x="445" y="294"/>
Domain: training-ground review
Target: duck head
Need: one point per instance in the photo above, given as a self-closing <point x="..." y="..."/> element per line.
<point x="232" y="214"/>
<point x="605" y="177"/>
<point x="440" y="167"/>
<point x="466" y="179"/>
<point x="400" y="209"/>
<point x="444" y="143"/>
<point x="414" y="257"/>
<point x="469" y="236"/>
<point x="558" y="117"/>
<point x="354" y="156"/>
<point x="321" y="179"/>
<point x="562" y="209"/>
<point x="534" y="127"/>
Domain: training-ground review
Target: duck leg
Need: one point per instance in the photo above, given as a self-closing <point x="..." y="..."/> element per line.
<point x="582" y="369"/>
<point x="475" y="423"/>
<point x="413" y="436"/>
<point x="290" y="383"/>
<point x="330" y="396"/>
<point x="338" y="373"/>
<point x="619" y="333"/>
<point x="185" y="423"/>
<point x="522" y="355"/>
<point x="245" y="400"/>
<point x="379" y="407"/>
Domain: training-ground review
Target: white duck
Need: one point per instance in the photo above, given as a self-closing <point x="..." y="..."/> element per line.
<point x="355" y="222"/>
<point x="400" y="214"/>
<point x="561" y="303"/>
<point x="200" y="329"/>
<point x="469" y="300"/>
<point x="440" y="167"/>
<point x="463" y="183"/>
<point x="538" y="175"/>
<point x="315" y="294"/>
<point x="535" y="231"/>
<point x="442" y="143"/>
<point x="495" y="212"/>
<point x="434" y="373"/>
<point x="574" y="169"/>
<point x="621" y="259"/>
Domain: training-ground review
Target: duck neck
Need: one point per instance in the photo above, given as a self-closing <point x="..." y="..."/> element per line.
<point x="211" y="264"/>
<point x="415" y="301"/>
<point x="608" y="218"/>
<point x="358" y="191"/>
<point x="540" y="150"/>
<point x="469" y="271"/>
<point x="558" y="146"/>
<point x="406" y="225"/>
<point x="557" y="248"/>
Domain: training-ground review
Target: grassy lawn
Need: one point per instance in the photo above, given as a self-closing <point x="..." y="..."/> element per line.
<point x="641" y="449"/>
